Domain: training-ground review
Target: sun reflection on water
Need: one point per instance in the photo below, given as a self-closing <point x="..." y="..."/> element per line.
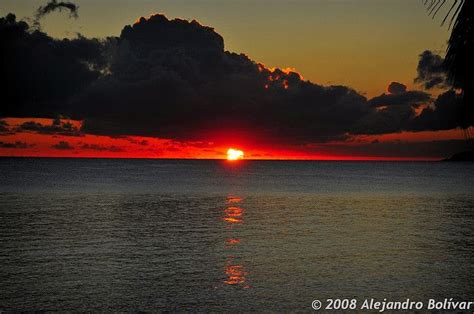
<point x="234" y="215"/>
<point x="235" y="274"/>
<point x="232" y="241"/>
<point x="233" y="199"/>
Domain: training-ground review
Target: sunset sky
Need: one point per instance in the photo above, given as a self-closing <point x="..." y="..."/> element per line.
<point x="274" y="103"/>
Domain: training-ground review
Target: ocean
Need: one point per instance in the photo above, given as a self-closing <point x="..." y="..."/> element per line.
<point x="209" y="235"/>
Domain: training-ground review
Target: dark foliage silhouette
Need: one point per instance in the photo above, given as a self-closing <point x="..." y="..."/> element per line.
<point x="459" y="56"/>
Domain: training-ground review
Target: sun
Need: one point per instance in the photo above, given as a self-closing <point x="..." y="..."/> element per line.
<point x="234" y="154"/>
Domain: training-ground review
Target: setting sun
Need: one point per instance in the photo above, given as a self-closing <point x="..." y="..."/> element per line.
<point x="234" y="154"/>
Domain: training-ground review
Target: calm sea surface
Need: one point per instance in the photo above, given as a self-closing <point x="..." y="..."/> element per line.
<point x="151" y="235"/>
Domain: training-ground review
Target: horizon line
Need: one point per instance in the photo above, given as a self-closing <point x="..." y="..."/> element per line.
<point x="362" y="159"/>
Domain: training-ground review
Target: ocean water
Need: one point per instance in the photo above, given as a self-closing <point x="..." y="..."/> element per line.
<point x="189" y="235"/>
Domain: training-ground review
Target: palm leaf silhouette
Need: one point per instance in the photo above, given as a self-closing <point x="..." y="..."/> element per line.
<point x="460" y="52"/>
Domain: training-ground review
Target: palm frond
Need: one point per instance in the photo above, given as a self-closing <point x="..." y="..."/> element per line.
<point x="434" y="6"/>
<point x="459" y="61"/>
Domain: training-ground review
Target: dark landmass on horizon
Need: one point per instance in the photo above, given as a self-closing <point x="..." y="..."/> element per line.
<point x="463" y="156"/>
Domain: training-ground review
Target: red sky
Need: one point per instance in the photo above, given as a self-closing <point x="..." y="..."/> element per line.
<point x="46" y="145"/>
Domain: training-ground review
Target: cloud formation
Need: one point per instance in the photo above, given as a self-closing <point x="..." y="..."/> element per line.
<point x="396" y="88"/>
<point x="54" y="5"/>
<point x="40" y="73"/>
<point x="431" y="71"/>
<point x="405" y="98"/>
<point x="4" y="127"/>
<point x="17" y="144"/>
<point x="174" y="79"/>
<point x="62" y="145"/>
<point x="57" y="127"/>
<point x="98" y="147"/>
<point x="447" y="112"/>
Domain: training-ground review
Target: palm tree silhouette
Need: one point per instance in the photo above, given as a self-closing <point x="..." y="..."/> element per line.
<point x="460" y="53"/>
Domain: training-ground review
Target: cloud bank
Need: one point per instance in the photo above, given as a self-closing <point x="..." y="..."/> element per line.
<point x="174" y="79"/>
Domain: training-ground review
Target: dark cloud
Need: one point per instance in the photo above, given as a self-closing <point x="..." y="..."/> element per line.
<point x="98" y="147"/>
<point x="54" y="5"/>
<point x="434" y="149"/>
<point x="173" y="79"/>
<point x="17" y="144"/>
<point x="431" y="70"/>
<point x="393" y="112"/>
<point x="57" y="127"/>
<point x="4" y="128"/>
<point x="62" y="145"/>
<point x="407" y="98"/>
<point x="139" y="142"/>
<point x="447" y="112"/>
<point x="185" y="86"/>
<point x="396" y="88"/>
<point x="40" y="74"/>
